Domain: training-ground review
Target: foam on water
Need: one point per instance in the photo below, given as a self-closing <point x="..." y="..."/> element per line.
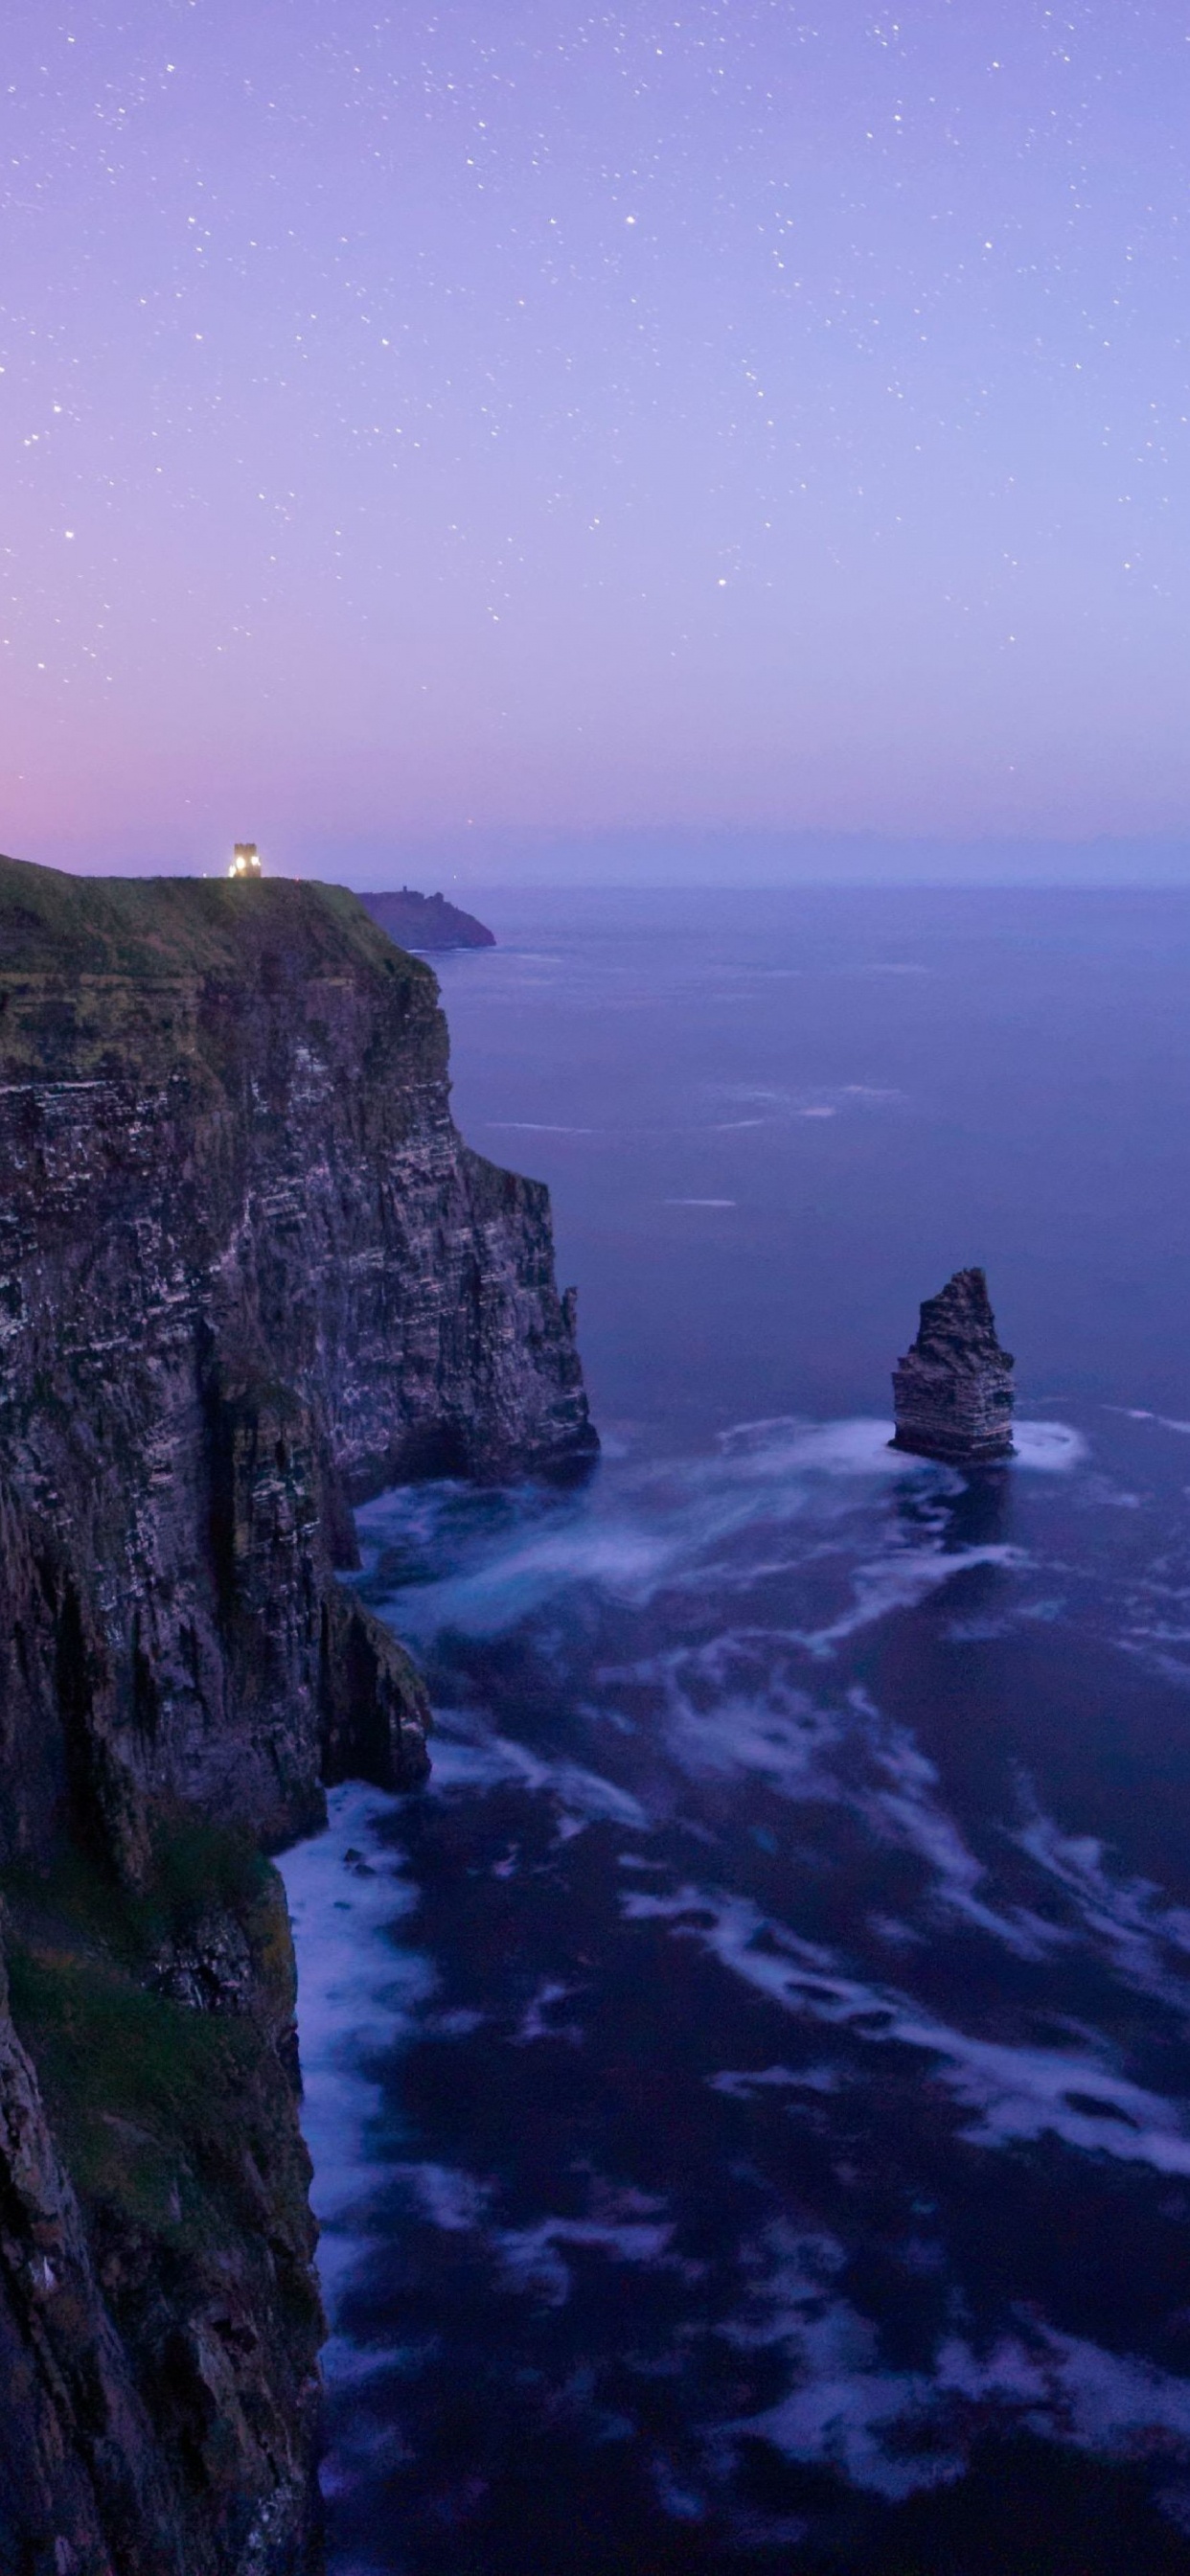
<point x="717" y="1727"/>
<point x="695" y="1631"/>
<point x="1051" y="1446"/>
<point x="469" y="1756"/>
<point x="900" y="1581"/>
<point x="1145" y="1937"/>
<point x="895" y="2432"/>
<point x="639" y="1531"/>
<point x="1014" y="2093"/>
<point x="531" y="2259"/>
<point x="359" y="1989"/>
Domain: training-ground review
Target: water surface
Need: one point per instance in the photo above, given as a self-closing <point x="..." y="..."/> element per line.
<point x="750" y="2091"/>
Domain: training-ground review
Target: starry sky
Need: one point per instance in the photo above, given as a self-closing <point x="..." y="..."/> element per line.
<point x="456" y="427"/>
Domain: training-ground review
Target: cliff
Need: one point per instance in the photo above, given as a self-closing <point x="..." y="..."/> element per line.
<point x="248" y="1274"/>
<point x="953" y="1391"/>
<point x="426" y="921"/>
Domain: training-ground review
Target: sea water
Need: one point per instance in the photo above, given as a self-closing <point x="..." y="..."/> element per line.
<point x="749" y="2090"/>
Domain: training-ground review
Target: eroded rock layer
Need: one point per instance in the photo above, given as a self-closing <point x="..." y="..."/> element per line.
<point x="248" y="1274"/>
<point x="953" y="1391"/>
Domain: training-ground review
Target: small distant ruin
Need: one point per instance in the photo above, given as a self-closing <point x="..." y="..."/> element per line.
<point x="245" y="860"/>
<point x="953" y="1393"/>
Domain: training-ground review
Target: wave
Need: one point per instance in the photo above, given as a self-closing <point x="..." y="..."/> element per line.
<point x="1012" y="2093"/>
<point x="531" y="2258"/>
<point x="639" y="1532"/>
<point x="471" y="1756"/>
<point x="894" y="2433"/>
<point x="732" y="1709"/>
<point x="359" y="1993"/>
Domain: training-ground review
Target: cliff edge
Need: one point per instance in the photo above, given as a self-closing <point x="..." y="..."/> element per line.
<point x="249" y="1274"/>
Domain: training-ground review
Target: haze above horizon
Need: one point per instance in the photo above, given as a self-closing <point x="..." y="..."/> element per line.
<point x="647" y="441"/>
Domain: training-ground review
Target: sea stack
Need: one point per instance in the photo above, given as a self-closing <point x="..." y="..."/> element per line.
<point x="953" y="1392"/>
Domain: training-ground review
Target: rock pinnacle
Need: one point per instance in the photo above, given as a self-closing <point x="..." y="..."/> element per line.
<point x="953" y="1392"/>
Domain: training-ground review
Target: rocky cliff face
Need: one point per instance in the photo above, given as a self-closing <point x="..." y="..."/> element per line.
<point x="953" y="1391"/>
<point x="159" y="2319"/>
<point x="248" y="1274"/>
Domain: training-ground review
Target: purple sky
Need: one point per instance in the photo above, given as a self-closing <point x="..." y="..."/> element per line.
<point x="518" y="414"/>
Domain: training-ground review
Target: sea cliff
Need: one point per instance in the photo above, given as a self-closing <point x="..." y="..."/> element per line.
<point x="426" y="921"/>
<point x="249" y="1273"/>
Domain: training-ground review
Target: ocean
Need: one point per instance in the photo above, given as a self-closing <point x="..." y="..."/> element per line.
<point x="749" y="2090"/>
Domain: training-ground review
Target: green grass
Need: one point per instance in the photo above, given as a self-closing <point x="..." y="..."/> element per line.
<point x="197" y="1868"/>
<point x="142" y="2092"/>
<point x="101" y="977"/>
<point x="174" y="2122"/>
<point x="51" y="923"/>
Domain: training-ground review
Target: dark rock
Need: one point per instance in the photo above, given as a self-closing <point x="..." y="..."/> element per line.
<point x="426" y="921"/>
<point x="159" y="2319"/>
<point x="953" y="1392"/>
<point x="375" y="1715"/>
<point x="209" y="1968"/>
<point x="249" y="1274"/>
<point x="78" y="2463"/>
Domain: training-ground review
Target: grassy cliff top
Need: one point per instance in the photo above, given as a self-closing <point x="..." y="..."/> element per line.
<point x="54" y="924"/>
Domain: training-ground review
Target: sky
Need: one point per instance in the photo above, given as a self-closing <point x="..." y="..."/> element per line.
<point x="516" y="427"/>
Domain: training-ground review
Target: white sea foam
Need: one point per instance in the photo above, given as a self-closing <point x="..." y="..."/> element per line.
<point x="626" y="1559"/>
<point x="740" y="2085"/>
<point x="779" y="1105"/>
<point x="654" y="1529"/>
<point x="903" y="1805"/>
<point x="1145" y="1939"/>
<point x="1052" y="1447"/>
<point x="893" y="2432"/>
<point x="1140" y="1413"/>
<point x="636" y="1534"/>
<point x="358" y="1991"/>
<point x="452" y="2200"/>
<point x="471" y="1756"/>
<point x="786" y="1445"/>
<point x="531" y="2257"/>
<point x="861" y="1446"/>
<point x="1012" y="2093"/>
<point x="729" y="1709"/>
<point x="900" y="1581"/>
<point x="533" y="2023"/>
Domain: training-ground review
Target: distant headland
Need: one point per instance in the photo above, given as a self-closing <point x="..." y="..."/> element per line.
<point x="426" y="921"/>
